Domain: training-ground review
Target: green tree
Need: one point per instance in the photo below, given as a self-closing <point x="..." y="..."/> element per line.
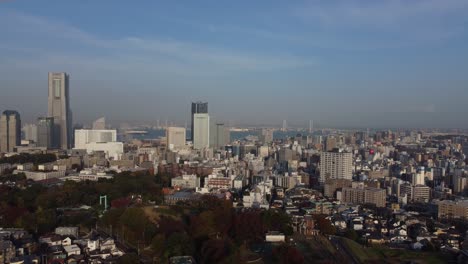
<point x="158" y="244"/>
<point x="179" y="244"/>
<point x="130" y="258"/>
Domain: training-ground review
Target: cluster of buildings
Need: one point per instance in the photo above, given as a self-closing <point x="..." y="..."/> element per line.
<point x="65" y="245"/>
<point x="326" y="172"/>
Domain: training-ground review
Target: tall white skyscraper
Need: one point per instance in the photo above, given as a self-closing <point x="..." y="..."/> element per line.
<point x="175" y="137"/>
<point x="336" y="165"/>
<point x="201" y="131"/>
<point x="59" y="109"/>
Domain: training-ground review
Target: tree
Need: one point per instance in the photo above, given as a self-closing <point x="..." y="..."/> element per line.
<point x="179" y="244"/>
<point x="286" y="254"/>
<point x="158" y="243"/>
<point x="129" y="258"/>
<point x="351" y="234"/>
<point x="46" y="220"/>
<point x="325" y="225"/>
<point x="214" y="251"/>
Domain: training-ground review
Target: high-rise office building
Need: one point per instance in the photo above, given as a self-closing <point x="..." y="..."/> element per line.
<point x="10" y="131"/>
<point x="219" y="135"/>
<point x="59" y="109"/>
<point x="201" y="131"/>
<point x="175" y="137"/>
<point x="30" y="132"/>
<point x="45" y="132"/>
<point x="198" y="108"/>
<point x="336" y="165"/>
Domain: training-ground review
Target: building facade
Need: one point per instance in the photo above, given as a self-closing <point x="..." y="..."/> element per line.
<point x="175" y="137"/>
<point x="201" y="131"/>
<point x="219" y="135"/>
<point x="453" y="209"/>
<point x="10" y="131"/>
<point x="30" y="132"/>
<point x="336" y="165"/>
<point x="197" y="108"/>
<point x="366" y="195"/>
<point x="45" y="132"/>
<point x="59" y="109"/>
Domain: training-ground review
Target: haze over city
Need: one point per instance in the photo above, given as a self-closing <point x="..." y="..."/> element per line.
<point x="340" y="63"/>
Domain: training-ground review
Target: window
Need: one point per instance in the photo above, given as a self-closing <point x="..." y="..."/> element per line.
<point x="56" y="86"/>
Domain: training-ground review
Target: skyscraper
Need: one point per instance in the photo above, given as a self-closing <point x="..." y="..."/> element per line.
<point x="45" y="128"/>
<point x="219" y="135"/>
<point x="201" y="131"/>
<point x="10" y="131"/>
<point x="198" y="108"/>
<point x="59" y="109"/>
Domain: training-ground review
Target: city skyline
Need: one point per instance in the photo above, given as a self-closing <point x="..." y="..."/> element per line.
<point x="390" y="64"/>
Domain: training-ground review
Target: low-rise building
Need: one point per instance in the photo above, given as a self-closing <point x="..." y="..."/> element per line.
<point x="186" y="182"/>
<point x="453" y="209"/>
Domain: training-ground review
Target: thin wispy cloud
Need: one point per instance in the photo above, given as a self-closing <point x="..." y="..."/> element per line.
<point x="140" y="51"/>
<point x="375" y="24"/>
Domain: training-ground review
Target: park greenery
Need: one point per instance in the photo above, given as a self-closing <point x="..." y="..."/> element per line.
<point x="210" y="229"/>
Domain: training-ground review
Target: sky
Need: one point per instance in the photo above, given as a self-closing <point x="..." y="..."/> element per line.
<point x="395" y="63"/>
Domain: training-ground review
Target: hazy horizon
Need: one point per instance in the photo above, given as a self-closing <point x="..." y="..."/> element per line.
<point x="385" y="64"/>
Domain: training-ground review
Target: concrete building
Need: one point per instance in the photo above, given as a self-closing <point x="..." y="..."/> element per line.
<point x="453" y="209"/>
<point x="197" y="108"/>
<point x="85" y="136"/>
<point x="175" y="137"/>
<point x="336" y="165"/>
<point x="219" y="135"/>
<point x="415" y="193"/>
<point x="186" y="182"/>
<point x="218" y="182"/>
<point x="99" y="140"/>
<point x="362" y="195"/>
<point x="330" y="143"/>
<point x="460" y="184"/>
<point x="45" y="132"/>
<point x="267" y="136"/>
<point x="10" y="131"/>
<point x="332" y="185"/>
<point x="201" y="132"/>
<point x="59" y="109"/>
<point x="30" y="132"/>
<point x="39" y="176"/>
<point x="99" y="124"/>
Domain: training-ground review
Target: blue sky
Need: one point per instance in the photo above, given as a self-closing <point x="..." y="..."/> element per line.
<point x="348" y="63"/>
